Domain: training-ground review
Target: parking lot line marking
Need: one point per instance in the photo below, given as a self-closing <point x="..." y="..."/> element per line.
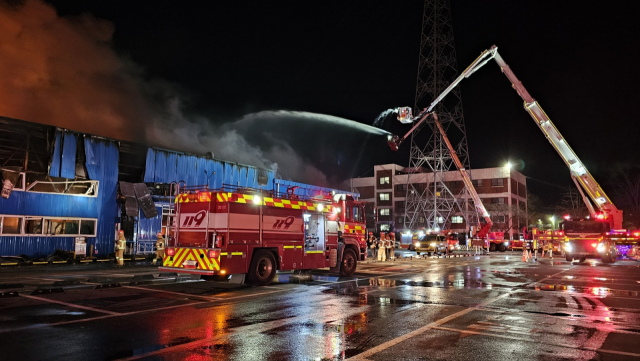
<point x="207" y="298"/>
<point x="537" y="341"/>
<point x="406" y="336"/>
<point x="71" y="305"/>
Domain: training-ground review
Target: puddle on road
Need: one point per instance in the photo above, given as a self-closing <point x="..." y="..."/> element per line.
<point x="595" y="291"/>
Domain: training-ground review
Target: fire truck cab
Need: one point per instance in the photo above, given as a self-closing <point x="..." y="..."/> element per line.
<point x="253" y="232"/>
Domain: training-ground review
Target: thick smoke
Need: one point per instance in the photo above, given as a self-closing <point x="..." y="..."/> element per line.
<point x="65" y="72"/>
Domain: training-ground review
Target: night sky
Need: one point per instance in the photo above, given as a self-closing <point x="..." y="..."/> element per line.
<point x="354" y="59"/>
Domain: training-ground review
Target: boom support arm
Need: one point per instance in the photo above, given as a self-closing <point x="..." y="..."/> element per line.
<point x="467" y="182"/>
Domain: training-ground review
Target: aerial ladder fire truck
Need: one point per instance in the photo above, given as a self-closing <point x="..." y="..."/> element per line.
<point x="595" y="237"/>
<point x="252" y="232"/>
<point x="493" y="240"/>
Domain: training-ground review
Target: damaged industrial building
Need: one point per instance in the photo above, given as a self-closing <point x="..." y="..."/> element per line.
<point x="67" y="194"/>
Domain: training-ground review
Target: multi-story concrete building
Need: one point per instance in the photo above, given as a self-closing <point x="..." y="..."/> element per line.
<point x="502" y="190"/>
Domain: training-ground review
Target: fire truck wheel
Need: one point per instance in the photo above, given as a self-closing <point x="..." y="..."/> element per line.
<point x="349" y="262"/>
<point x="607" y="258"/>
<point x="263" y="268"/>
<point x="569" y="258"/>
<point x="502" y="247"/>
<point x="492" y="247"/>
<point x="582" y="259"/>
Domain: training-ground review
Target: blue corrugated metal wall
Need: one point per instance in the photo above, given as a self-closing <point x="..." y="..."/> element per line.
<point x="166" y="167"/>
<point x="102" y="165"/>
<point x="54" y="166"/>
<point x="148" y="227"/>
<point x="68" y="164"/>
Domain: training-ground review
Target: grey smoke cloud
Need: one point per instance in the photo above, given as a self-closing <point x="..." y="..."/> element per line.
<point x="65" y="72"/>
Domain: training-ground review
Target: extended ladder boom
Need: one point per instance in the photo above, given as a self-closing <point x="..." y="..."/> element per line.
<point x="482" y="211"/>
<point x="579" y="172"/>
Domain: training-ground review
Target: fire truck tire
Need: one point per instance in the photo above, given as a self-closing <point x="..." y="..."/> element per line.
<point x="492" y="247"/>
<point x="607" y="258"/>
<point x="582" y="259"/>
<point x="349" y="262"/>
<point x="502" y="247"/>
<point x="263" y="268"/>
<point x="569" y="258"/>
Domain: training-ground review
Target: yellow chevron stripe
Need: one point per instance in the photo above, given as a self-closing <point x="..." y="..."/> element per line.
<point x="196" y="255"/>
<point x="179" y="258"/>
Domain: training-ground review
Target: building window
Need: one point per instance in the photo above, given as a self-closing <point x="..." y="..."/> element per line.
<point x="32" y="225"/>
<point x="499" y="218"/>
<point x="399" y="204"/>
<point x="456" y="219"/>
<point x="477" y="182"/>
<point x="440" y="220"/>
<point x="421" y="220"/>
<point x="384" y="180"/>
<point x="384" y="196"/>
<point x="385" y="211"/>
<point x="11" y="225"/>
<point x="44" y="226"/>
<point x="497" y="200"/>
<point x="385" y="228"/>
<point x="401" y="187"/>
<point x="497" y="182"/>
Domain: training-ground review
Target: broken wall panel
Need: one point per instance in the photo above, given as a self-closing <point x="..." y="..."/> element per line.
<point x="144" y="200"/>
<point x="130" y="199"/>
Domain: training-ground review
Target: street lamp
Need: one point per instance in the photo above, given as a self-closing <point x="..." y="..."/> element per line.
<point x="553" y="225"/>
<point x="508" y="165"/>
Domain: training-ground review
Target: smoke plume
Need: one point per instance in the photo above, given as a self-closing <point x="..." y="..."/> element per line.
<point x="65" y="72"/>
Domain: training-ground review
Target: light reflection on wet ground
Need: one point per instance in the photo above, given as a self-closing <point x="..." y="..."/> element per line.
<point x="543" y="307"/>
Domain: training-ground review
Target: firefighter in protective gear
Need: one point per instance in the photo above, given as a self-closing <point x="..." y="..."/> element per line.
<point x="372" y="243"/>
<point x="159" y="248"/>
<point x="120" y="245"/>
<point x="392" y="241"/>
<point x="382" y="250"/>
<point x="387" y="246"/>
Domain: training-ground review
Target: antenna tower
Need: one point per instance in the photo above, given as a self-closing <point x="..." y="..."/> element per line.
<point x="430" y="202"/>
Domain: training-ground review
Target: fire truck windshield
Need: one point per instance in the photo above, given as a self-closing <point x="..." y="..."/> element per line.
<point x="585" y="226"/>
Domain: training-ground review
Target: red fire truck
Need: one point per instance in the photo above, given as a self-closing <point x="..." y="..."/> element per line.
<point x="253" y="232"/>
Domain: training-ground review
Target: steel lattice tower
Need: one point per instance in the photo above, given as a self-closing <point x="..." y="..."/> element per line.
<point x="437" y="68"/>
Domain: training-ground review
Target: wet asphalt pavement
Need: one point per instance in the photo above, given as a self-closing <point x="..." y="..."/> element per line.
<point x="473" y="308"/>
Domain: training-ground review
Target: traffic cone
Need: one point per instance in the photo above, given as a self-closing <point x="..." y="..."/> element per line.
<point x="524" y="255"/>
<point x="529" y="255"/>
<point x="542" y="253"/>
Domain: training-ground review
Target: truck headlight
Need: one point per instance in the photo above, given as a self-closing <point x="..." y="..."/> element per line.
<point x="568" y="247"/>
<point x="506" y="243"/>
<point x="433" y="244"/>
<point x="601" y="247"/>
<point x="417" y="244"/>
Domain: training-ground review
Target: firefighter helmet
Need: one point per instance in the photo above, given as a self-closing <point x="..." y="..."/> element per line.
<point x="120" y="232"/>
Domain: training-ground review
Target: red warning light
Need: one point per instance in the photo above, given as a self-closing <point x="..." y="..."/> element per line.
<point x="567" y="217"/>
